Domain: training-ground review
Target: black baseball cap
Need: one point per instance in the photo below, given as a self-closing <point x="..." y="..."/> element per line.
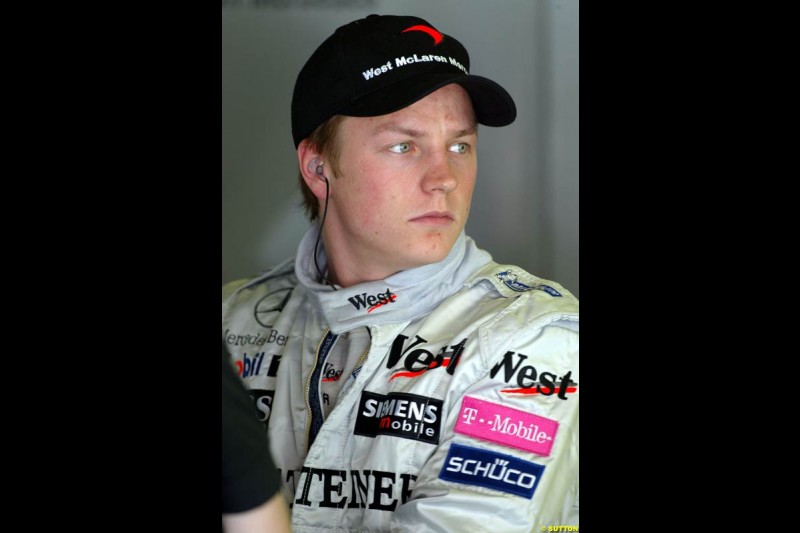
<point x="379" y="64"/>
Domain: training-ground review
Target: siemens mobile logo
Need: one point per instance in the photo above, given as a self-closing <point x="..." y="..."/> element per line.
<point x="498" y="471"/>
<point x="398" y="414"/>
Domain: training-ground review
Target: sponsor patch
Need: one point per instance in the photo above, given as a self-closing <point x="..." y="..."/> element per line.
<point x="266" y="307"/>
<point x="417" y="362"/>
<point x="262" y="399"/>
<point x="256" y="339"/>
<point x="498" y="471"/>
<point x="399" y="414"/>
<point x="437" y="37"/>
<point x="509" y="279"/>
<point x="507" y="426"/>
<point x="252" y="366"/>
<point x="249" y="366"/>
<point x="366" y="489"/>
<point x="548" y="289"/>
<point x="330" y="373"/>
<point x="372" y="302"/>
<point x="515" y="372"/>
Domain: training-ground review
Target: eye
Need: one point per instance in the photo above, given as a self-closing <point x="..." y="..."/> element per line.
<point x="460" y="148"/>
<point x="400" y="148"/>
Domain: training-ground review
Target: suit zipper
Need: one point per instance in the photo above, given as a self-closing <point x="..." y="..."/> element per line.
<point x="308" y="389"/>
<point x="363" y="355"/>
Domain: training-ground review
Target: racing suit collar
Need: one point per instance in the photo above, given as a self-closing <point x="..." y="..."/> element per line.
<point x="404" y="296"/>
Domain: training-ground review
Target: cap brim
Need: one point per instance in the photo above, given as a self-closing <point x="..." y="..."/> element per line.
<point x="493" y="105"/>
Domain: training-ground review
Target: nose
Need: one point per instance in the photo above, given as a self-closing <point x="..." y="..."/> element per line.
<point x="439" y="174"/>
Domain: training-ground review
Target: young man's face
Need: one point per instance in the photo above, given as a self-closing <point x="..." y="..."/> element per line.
<point x="404" y="189"/>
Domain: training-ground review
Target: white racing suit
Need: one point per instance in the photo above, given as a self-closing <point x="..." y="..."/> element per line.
<point x="457" y="407"/>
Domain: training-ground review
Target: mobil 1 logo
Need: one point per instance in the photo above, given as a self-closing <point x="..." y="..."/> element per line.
<point x="399" y="414"/>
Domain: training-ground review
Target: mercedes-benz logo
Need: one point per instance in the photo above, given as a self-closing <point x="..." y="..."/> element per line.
<point x="271" y="303"/>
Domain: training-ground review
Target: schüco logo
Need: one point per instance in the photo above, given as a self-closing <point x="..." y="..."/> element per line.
<point x="525" y="377"/>
<point x="416" y="362"/>
<point x="506" y="473"/>
<point x="373" y="302"/>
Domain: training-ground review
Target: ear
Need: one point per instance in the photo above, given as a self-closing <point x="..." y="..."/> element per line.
<point x="305" y="154"/>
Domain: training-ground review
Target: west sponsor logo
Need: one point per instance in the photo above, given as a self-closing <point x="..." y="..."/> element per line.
<point x="262" y="399"/>
<point x="416" y="362"/>
<point x="506" y="473"/>
<point x="329" y="373"/>
<point x="507" y="426"/>
<point x="402" y="61"/>
<point x="525" y="377"/>
<point x="398" y="414"/>
<point x="251" y="366"/>
<point x="362" y="489"/>
<point x="372" y="302"/>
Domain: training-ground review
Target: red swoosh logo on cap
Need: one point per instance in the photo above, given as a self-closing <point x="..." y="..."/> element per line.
<point x="437" y="37"/>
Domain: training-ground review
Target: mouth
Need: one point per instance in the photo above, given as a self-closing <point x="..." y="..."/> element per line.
<point x="434" y="218"/>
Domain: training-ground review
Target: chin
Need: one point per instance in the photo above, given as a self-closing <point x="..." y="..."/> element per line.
<point x="429" y="257"/>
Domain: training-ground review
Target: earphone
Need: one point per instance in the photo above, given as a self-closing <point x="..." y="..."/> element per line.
<point x="315" y="165"/>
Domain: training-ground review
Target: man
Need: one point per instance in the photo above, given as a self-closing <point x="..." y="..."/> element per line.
<point x="408" y="382"/>
<point x="251" y="501"/>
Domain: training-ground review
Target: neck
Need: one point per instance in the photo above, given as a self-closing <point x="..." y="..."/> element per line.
<point x="346" y="272"/>
<point x="412" y="292"/>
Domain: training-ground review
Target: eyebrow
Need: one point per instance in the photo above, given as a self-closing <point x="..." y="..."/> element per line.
<point x="411" y="132"/>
